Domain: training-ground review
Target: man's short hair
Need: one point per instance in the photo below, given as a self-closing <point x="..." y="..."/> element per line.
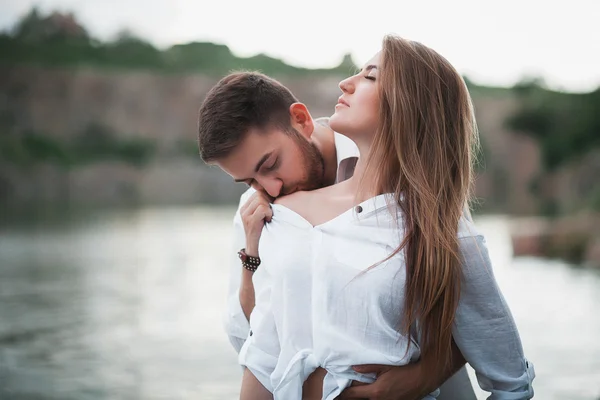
<point x="237" y="103"/>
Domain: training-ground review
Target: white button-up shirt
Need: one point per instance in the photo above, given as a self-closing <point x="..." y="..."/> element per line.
<point x="236" y="324"/>
<point x="324" y="307"/>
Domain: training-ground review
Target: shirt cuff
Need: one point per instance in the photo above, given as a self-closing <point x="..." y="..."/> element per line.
<point x="519" y="388"/>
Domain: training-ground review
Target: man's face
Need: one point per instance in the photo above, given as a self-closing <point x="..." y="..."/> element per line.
<point x="275" y="162"/>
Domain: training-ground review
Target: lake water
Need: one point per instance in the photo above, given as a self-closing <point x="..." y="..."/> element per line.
<point x="129" y="304"/>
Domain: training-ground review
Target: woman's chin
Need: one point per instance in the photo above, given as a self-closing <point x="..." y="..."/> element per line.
<point x="336" y="122"/>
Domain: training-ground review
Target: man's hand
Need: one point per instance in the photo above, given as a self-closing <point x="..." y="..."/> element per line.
<point x="393" y="383"/>
<point x="408" y="382"/>
<point x="255" y="213"/>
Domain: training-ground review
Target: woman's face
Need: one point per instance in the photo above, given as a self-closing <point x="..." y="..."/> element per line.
<point x="357" y="112"/>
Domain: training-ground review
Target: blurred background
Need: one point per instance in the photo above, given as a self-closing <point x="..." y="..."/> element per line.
<point x="115" y="237"/>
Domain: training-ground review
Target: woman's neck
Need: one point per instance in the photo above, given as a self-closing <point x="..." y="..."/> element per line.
<point x="358" y="180"/>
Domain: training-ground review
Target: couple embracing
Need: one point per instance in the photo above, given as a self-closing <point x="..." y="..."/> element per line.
<point x="357" y="271"/>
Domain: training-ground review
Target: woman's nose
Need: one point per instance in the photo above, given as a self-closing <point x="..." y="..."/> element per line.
<point x="346" y="85"/>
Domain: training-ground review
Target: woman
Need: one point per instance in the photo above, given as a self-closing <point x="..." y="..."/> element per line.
<point x="385" y="267"/>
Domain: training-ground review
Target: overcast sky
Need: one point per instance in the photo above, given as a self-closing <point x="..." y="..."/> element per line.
<point x="492" y="42"/>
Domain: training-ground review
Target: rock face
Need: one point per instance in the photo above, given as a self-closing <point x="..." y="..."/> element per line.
<point x="592" y="255"/>
<point x="172" y="182"/>
<point x="64" y="102"/>
<point x="575" y="238"/>
<point x="162" y="108"/>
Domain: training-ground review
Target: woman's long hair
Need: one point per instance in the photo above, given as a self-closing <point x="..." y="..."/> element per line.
<point x="423" y="153"/>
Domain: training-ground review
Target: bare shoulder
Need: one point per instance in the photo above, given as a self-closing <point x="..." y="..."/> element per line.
<point x="315" y="206"/>
<point x="306" y="204"/>
<point x="296" y="201"/>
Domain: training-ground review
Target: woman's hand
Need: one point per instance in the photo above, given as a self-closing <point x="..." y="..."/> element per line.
<point x="255" y="213"/>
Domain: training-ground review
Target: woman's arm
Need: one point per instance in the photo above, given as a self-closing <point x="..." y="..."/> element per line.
<point x="485" y="331"/>
<point x="242" y="286"/>
<point x="260" y="352"/>
<point x="236" y="318"/>
<point x="252" y="389"/>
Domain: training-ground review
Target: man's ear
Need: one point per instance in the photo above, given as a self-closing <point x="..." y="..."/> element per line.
<point x="301" y="119"/>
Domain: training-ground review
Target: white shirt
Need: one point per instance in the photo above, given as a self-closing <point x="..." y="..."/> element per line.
<point x="324" y="307"/>
<point x="236" y="324"/>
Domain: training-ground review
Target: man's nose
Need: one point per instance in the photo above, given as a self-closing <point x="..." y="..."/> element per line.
<point x="272" y="186"/>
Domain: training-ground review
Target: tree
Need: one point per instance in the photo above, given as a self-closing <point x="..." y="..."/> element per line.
<point x="566" y="125"/>
<point x="36" y="28"/>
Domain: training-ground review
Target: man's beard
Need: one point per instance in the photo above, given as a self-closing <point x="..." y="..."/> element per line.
<point x="313" y="165"/>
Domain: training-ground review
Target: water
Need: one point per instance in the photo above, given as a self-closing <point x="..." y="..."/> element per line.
<point x="128" y="305"/>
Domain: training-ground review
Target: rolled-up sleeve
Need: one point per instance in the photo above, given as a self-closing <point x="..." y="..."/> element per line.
<point x="485" y="330"/>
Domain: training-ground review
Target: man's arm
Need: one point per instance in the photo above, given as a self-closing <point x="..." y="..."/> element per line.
<point x="408" y="382"/>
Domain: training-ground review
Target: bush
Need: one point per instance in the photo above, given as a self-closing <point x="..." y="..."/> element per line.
<point x="96" y="143"/>
<point x="58" y="39"/>
<point x="566" y="125"/>
<point x="30" y="148"/>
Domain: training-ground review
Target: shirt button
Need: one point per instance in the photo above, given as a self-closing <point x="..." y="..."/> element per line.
<point x="250" y="333"/>
<point x="358" y="209"/>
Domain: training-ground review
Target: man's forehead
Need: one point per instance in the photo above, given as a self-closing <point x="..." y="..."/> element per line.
<point x="256" y="142"/>
<point x="240" y="165"/>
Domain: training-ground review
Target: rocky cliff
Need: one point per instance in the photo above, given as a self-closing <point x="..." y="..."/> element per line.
<point x="160" y="108"/>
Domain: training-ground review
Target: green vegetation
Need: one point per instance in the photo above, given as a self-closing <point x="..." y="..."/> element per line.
<point x="59" y="40"/>
<point x="93" y="144"/>
<point x="566" y="125"/>
<point x="567" y="128"/>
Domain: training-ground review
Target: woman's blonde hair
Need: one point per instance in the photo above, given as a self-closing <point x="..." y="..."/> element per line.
<point x="423" y="153"/>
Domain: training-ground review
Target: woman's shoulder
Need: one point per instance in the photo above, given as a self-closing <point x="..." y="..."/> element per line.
<point x="291" y="209"/>
<point x="294" y="200"/>
<point x="302" y="202"/>
<point x="308" y="205"/>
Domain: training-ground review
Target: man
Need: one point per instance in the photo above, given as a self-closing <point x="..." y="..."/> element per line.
<point x="254" y="129"/>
